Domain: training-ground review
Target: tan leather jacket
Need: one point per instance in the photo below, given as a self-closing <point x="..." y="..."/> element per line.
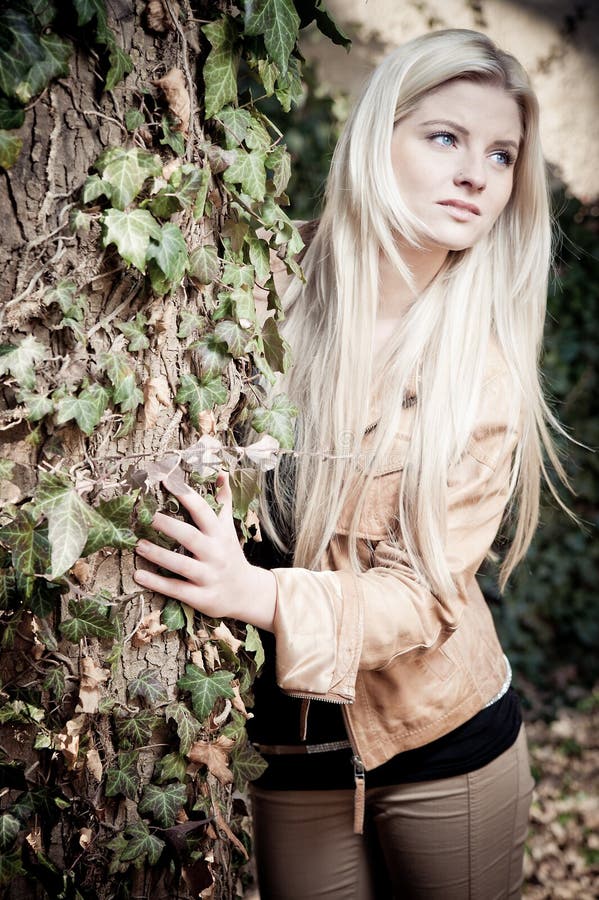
<point x="408" y="666"/>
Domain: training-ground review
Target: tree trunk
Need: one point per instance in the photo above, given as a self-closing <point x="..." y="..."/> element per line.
<point x="65" y="838"/>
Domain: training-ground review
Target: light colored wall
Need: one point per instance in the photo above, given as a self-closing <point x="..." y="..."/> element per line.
<point x="564" y="67"/>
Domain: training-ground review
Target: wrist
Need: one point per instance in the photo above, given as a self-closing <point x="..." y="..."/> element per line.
<point x="257" y="600"/>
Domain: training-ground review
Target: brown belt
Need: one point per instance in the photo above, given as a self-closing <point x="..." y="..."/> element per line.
<point x="293" y="749"/>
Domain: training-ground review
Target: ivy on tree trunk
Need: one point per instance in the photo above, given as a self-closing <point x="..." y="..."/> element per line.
<point x="143" y="193"/>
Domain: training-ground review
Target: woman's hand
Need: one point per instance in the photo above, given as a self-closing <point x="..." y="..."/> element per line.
<point x="216" y="578"/>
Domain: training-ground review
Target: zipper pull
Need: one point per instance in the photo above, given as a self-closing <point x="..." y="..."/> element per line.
<point x="360" y="794"/>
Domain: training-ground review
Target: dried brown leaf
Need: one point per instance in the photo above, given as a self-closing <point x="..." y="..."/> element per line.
<point x="156" y="394"/>
<point x="214" y="755"/>
<point x="223" y="633"/>
<point x="173" y="86"/>
<point x="94" y="764"/>
<point x="92" y="676"/>
<point x="157" y="17"/>
<point x="149" y="628"/>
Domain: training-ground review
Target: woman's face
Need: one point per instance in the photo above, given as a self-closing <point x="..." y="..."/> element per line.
<point x="453" y="158"/>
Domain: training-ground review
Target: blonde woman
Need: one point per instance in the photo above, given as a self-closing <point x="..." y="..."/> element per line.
<point x="397" y="760"/>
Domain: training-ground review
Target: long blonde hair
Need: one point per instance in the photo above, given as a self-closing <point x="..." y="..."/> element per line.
<point x="495" y="291"/>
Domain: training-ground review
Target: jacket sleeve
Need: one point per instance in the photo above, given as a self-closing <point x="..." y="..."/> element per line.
<point x="330" y="624"/>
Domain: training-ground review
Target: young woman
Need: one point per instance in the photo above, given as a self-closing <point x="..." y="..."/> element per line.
<point x="398" y="763"/>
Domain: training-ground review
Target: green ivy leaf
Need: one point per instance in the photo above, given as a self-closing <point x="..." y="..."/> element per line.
<point x="244" y="488"/>
<point x="55" y="682"/>
<point x="205" y="689"/>
<point x="249" y="171"/>
<point x="200" y="395"/>
<point x="171" y="137"/>
<point x="246" y="765"/>
<point x="170" y="253"/>
<point x="7" y="467"/>
<point x="204" y="264"/>
<point x="149" y="687"/>
<point x="54" y="62"/>
<point x="190" y="322"/>
<point x="233" y="336"/>
<point x="72" y="305"/>
<point x="10" y="867"/>
<point x="87" y="9"/>
<point x="220" y="68"/>
<point x="259" y="258"/>
<point x="135" y="331"/>
<point x="10" y="116"/>
<point x="110" y="525"/>
<point x="89" y="619"/>
<point x="276" y="350"/>
<point x="120" y="65"/>
<point x="131" y="233"/>
<point x="142" y="844"/>
<point x="253" y="644"/>
<point x="188" y="727"/>
<point x="21" y="359"/>
<point x="212" y="354"/>
<point x="163" y="802"/>
<point x="277" y="421"/>
<point x="289" y="87"/>
<point x="124" y="779"/>
<point x="19" y="49"/>
<point x="235" y="124"/>
<point x="325" y="24"/>
<point x="136" y="731"/>
<point x="87" y="408"/>
<point x="172" y="615"/>
<point x="94" y="187"/>
<point x="122" y="377"/>
<point x="126" y="171"/>
<point x="172" y="767"/>
<point x="279" y="22"/>
<point x="38" y="406"/>
<point x="279" y="161"/>
<point x="8" y="590"/>
<point x="134" y="118"/>
<point x="29" y="546"/>
<point x="9" y="829"/>
<point x="10" y="147"/>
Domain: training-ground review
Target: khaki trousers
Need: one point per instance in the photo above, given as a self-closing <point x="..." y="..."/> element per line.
<point x="459" y="838"/>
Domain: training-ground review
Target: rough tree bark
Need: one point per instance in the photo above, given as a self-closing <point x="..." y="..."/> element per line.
<point x="67" y="129"/>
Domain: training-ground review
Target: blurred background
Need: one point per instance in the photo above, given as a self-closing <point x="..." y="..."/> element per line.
<point x="549" y="614"/>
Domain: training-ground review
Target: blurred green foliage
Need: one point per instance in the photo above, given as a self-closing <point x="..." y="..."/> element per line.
<point x="548" y="619"/>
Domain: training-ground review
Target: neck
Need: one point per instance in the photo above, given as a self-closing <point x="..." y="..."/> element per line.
<point x="395" y="294"/>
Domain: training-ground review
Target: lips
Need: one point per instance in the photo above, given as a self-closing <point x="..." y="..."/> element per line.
<point x="462" y="206"/>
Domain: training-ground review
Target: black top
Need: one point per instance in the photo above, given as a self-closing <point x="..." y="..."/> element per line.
<point x="278" y="720"/>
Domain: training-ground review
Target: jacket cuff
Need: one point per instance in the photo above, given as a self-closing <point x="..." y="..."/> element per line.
<point x="318" y="629"/>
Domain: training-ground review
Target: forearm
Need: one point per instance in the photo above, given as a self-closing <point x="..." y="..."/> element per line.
<point x="257" y="599"/>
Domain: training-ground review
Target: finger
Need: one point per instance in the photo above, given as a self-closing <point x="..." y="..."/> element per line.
<point x="170" y="587"/>
<point x="185" y="534"/>
<point x="200" y="511"/>
<point x="224" y="495"/>
<point x="187" y="566"/>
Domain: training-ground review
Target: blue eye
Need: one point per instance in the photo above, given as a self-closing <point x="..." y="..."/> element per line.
<point x="444" y="138"/>
<point x="504" y="157"/>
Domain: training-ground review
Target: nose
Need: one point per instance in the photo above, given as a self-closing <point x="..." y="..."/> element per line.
<point x="471" y="174"/>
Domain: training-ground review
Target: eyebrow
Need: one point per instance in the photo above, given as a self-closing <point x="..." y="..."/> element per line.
<point x="464" y="131"/>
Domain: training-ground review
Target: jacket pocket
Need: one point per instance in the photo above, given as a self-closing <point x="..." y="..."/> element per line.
<point x="379" y="516"/>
